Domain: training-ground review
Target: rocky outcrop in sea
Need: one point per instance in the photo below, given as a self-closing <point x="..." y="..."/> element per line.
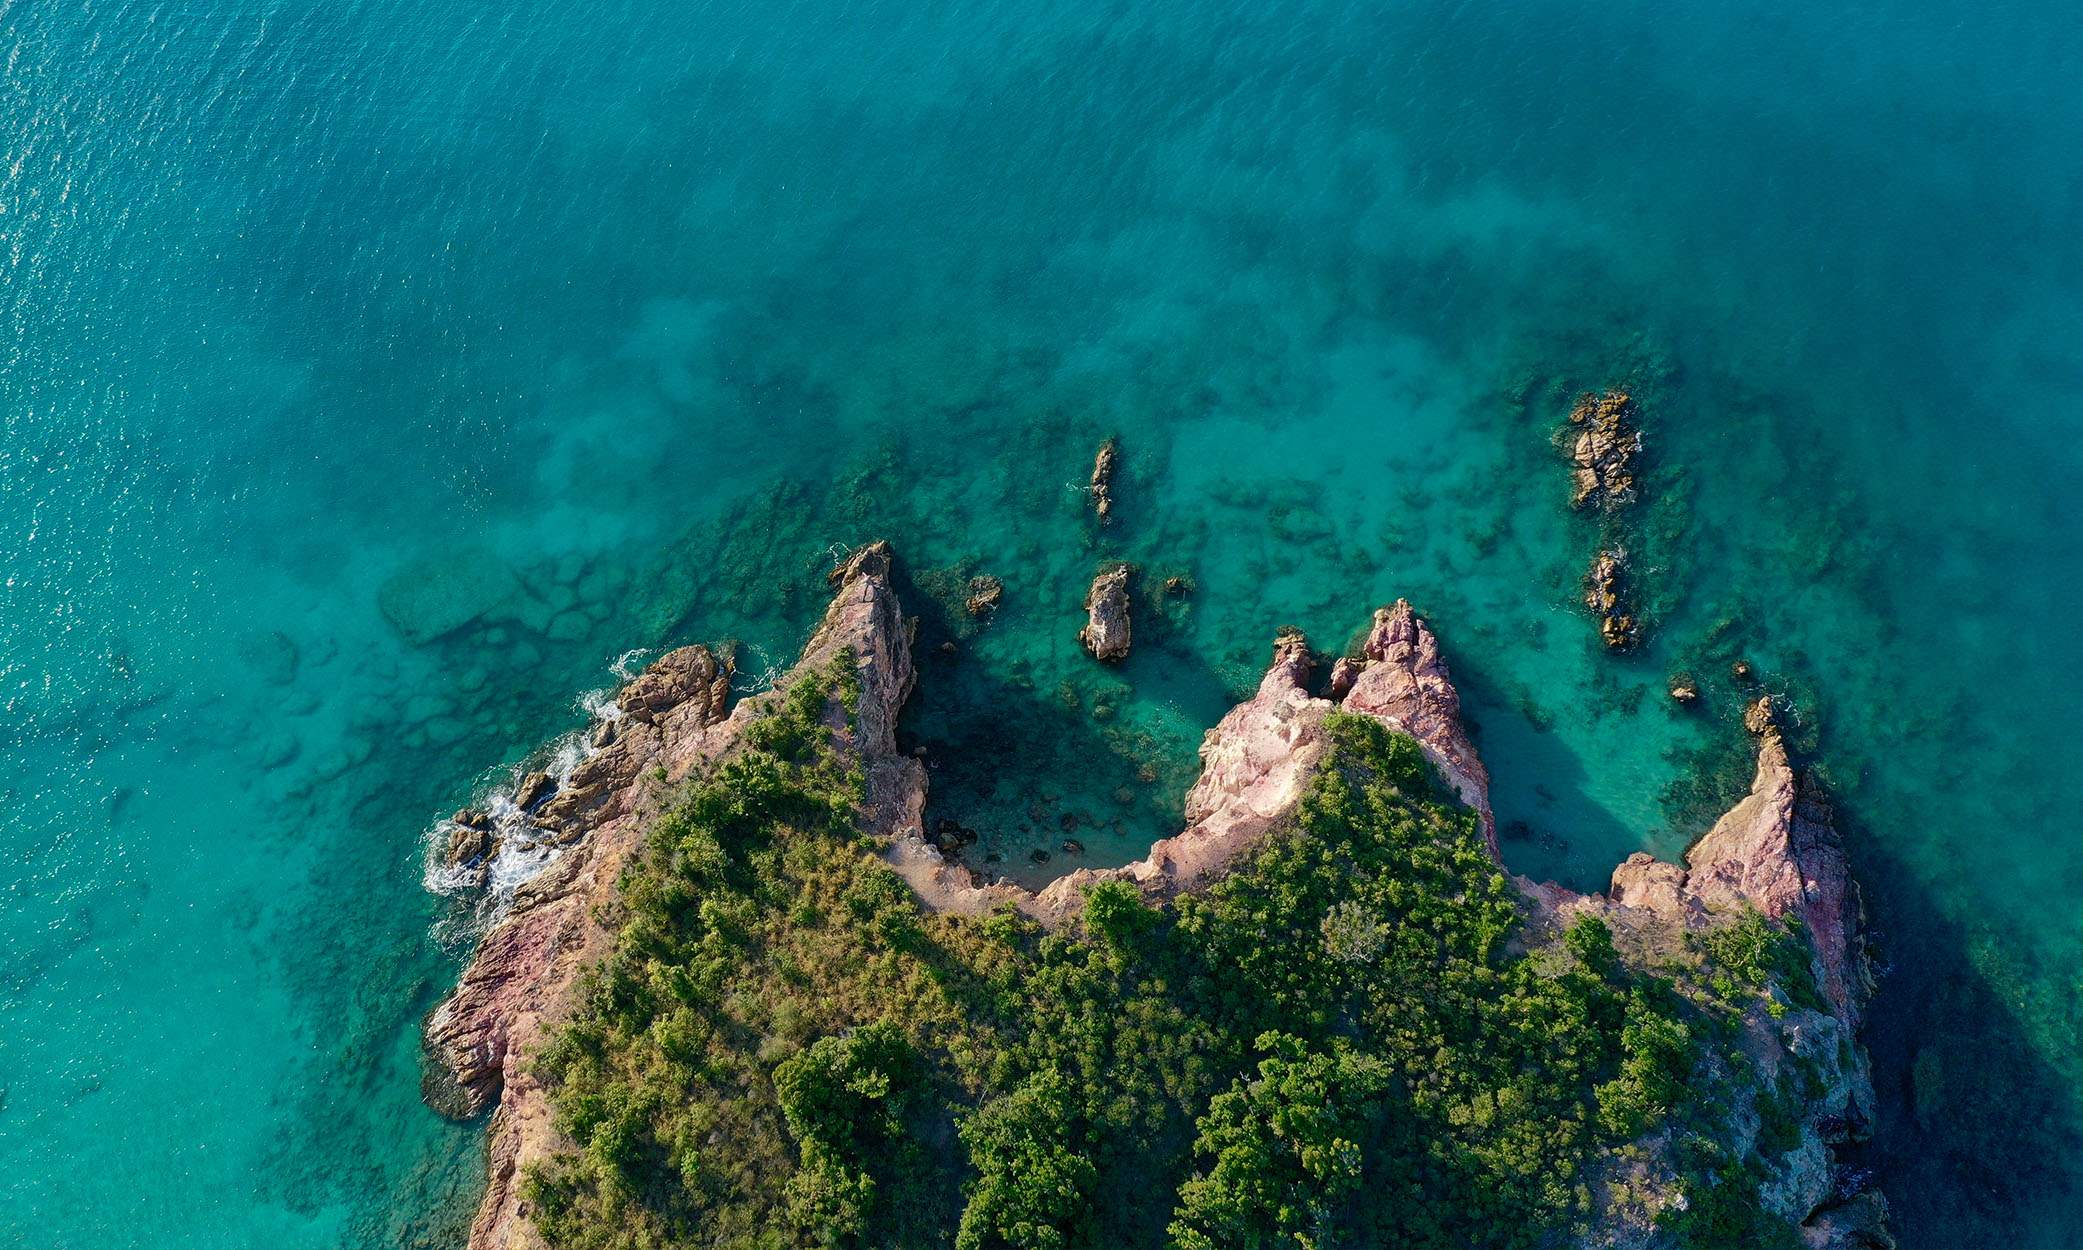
<point x="1106" y="632"/>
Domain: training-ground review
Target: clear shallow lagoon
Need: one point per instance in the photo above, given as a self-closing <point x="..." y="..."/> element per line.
<point x="612" y="319"/>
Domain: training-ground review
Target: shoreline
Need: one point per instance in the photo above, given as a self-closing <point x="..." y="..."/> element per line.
<point x="1770" y="852"/>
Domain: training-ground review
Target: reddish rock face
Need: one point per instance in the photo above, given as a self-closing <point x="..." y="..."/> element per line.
<point x="1256" y="763"/>
<point x="1775" y="851"/>
<point x="1778" y="851"/>
<point x="689" y="675"/>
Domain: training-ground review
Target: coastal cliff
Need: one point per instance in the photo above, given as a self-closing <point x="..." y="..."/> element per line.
<point x="1754" y="942"/>
<point x="528" y="966"/>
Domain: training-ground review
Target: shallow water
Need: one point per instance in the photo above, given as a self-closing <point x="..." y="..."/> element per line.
<point x="598" y="326"/>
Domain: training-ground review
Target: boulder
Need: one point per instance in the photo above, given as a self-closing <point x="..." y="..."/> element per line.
<point x="1604" y="450"/>
<point x="1605" y="593"/>
<point x="534" y="788"/>
<point x="984" y="594"/>
<point x="1106" y="631"/>
<point x="468" y="845"/>
<point x="1103" y="467"/>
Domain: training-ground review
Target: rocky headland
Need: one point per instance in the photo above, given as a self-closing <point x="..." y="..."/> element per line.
<point x="667" y="722"/>
<point x="1796" y="1071"/>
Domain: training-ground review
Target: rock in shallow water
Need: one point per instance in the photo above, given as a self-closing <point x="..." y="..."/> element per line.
<point x="1106" y="631"/>
<point x="1604" y="450"/>
<point x="438" y="594"/>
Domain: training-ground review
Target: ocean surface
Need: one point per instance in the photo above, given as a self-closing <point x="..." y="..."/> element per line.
<point x="377" y="376"/>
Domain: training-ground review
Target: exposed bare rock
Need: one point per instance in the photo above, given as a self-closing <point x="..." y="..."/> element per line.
<point x="521" y="981"/>
<point x="1604" y="450"/>
<point x="467" y="844"/>
<point x="1775" y="851"/>
<point x="473" y="818"/>
<point x="984" y="594"/>
<point x="1256" y="763"/>
<point x="1344" y="673"/>
<point x="1605" y="593"/>
<point x="689" y="676"/>
<point x="1647" y="882"/>
<point x="1761" y="717"/>
<point x="534" y="788"/>
<point x="1407" y="685"/>
<point x="1103" y="467"/>
<point x="1106" y="631"/>
<point x="1684" y="688"/>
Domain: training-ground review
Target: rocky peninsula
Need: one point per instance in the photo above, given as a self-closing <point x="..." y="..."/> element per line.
<point x="1704" y="1092"/>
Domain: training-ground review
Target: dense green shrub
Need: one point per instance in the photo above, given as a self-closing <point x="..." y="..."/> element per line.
<point x="1346" y="1041"/>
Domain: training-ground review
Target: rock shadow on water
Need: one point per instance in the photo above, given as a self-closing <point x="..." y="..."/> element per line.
<point x="1549" y="826"/>
<point x="1046" y="763"/>
<point x="1977" y="1133"/>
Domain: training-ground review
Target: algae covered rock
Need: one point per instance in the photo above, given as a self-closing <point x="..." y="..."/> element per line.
<point x="442" y="592"/>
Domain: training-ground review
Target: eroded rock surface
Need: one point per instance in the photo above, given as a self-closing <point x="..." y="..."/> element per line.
<point x="1775" y="851"/>
<point x="1255" y="764"/>
<point x="1106" y="630"/>
<point x="1604" y="450"/>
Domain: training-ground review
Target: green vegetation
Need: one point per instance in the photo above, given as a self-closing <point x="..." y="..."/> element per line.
<point x="1348" y="1041"/>
<point x="1753" y="953"/>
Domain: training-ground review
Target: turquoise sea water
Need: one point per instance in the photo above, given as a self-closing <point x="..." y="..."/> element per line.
<point x="600" y="324"/>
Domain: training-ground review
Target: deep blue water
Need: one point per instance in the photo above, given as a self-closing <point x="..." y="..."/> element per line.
<point x="601" y="323"/>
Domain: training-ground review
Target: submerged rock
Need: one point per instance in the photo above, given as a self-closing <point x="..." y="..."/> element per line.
<point x="1604" y="450"/>
<point x="439" y="594"/>
<point x="1103" y="467"/>
<point x="1106" y="631"/>
<point x="534" y="788"/>
<point x="272" y="655"/>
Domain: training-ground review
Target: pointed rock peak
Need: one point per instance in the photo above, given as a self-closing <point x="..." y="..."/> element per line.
<point x="872" y="560"/>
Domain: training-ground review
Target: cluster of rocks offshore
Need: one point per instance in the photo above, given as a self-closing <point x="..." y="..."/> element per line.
<point x="1607" y="439"/>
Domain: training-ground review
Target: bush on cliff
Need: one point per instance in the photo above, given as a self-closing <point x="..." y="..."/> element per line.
<point x="1342" y="1043"/>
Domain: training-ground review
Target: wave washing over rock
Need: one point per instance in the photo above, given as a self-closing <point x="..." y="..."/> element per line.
<point x="1774" y="854"/>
